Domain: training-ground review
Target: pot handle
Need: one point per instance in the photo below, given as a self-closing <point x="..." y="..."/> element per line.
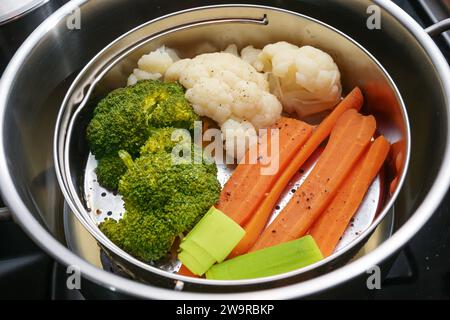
<point x="438" y="28"/>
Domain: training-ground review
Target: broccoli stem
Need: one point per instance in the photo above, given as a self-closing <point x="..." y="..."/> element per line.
<point x="126" y="158"/>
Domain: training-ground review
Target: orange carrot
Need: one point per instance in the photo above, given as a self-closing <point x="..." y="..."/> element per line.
<point x="332" y="223"/>
<point x="348" y="140"/>
<point x="183" y="271"/>
<point x="397" y="152"/>
<point x="247" y="187"/>
<point x="254" y="227"/>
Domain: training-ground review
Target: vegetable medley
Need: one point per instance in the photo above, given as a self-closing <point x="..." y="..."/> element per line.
<point x="143" y="138"/>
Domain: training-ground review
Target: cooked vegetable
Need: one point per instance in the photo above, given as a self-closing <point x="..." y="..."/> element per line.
<point x="123" y="118"/>
<point x="143" y="236"/>
<point x="153" y="66"/>
<point x="255" y="226"/>
<point x="224" y="87"/>
<point x="248" y="186"/>
<point x="348" y="140"/>
<point x="305" y="79"/>
<point x="332" y="223"/>
<point x="109" y="171"/>
<point x="183" y="192"/>
<point x="167" y="198"/>
<point x="267" y="262"/>
<point x="210" y="241"/>
<point x="238" y="138"/>
<point x="183" y="271"/>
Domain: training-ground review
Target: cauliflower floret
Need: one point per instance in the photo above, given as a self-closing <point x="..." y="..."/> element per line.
<point x="238" y="137"/>
<point x="306" y="79"/>
<point x="153" y="66"/>
<point x="232" y="48"/>
<point x="250" y="54"/>
<point x="223" y="86"/>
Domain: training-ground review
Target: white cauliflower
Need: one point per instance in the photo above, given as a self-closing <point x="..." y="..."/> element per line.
<point x="238" y="137"/>
<point x="250" y="54"/>
<point x="222" y="86"/>
<point x="305" y="79"/>
<point x="232" y="48"/>
<point x="153" y="65"/>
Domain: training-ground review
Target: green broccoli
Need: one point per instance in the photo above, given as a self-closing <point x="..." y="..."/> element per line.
<point x="153" y="181"/>
<point x="124" y="119"/>
<point x="143" y="236"/>
<point x="109" y="171"/>
<point x="162" y="199"/>
<point x="165" y="139"/>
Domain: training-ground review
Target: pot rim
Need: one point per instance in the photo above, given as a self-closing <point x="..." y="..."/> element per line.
<point x="116" y="283"/>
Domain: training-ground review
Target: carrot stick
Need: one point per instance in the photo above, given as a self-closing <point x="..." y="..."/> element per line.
<point x="348" y="140"/>
<point x="247" y="187"/>
<point x="332" y="223"/>
<point x="183" y="271"/>
<point x="253" y="229"/>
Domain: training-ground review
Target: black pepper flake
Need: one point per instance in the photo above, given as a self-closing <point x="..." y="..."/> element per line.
<point x="98" y="211"/>
<point x="302" y="171"/>
<point x="352" y="225"/>
<point x="309" y="208"/>
<point x="115" y="192"/>
<point x="89" y="209"/>
<point x="109" y="213"/>
<point x="277" y="207"/>
<point x="293" y="190"/>
<point x="103" y="194"/>
<point x="274" y="231"/>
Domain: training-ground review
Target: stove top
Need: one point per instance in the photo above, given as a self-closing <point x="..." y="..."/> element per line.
<point x="420" y="271"/>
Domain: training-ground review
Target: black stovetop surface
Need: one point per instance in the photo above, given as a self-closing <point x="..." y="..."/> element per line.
<point x="421" y="271"/>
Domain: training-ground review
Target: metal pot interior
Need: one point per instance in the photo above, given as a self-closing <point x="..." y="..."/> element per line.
<point x="28" y="120"/>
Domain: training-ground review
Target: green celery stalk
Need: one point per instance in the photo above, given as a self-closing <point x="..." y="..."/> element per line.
<point x="270" y="261"/>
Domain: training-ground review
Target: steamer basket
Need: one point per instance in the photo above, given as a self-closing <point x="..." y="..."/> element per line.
<point x="204" y="30"/>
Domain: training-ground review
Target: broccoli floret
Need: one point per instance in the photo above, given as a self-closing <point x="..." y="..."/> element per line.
<point x="162" y="199"/>
<point x="109" y="171"/>
<point x="122" y="120"/>
<point x="155" y="177"/>
<point x="143" y="236"/>
<point x="162" y="139"/>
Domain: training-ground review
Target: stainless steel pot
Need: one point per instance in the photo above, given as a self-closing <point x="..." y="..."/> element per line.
<point x="47" y="59"/>
<point x="189" y="32"/>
